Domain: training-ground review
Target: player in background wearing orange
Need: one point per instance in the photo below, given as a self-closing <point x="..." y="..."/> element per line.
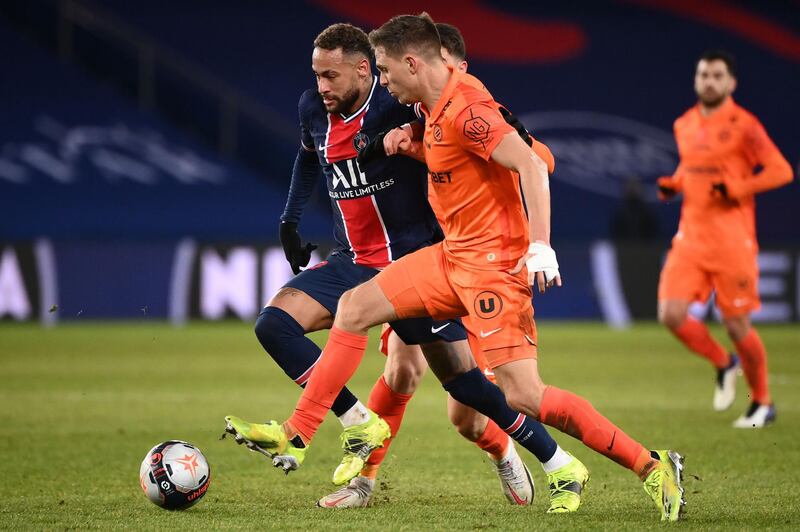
<point x="726" y="158"/>
<point x="405" y="369"/>
<point x="491" y="255"/>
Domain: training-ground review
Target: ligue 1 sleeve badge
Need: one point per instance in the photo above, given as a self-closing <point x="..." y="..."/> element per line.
<point x="360" y="141"/>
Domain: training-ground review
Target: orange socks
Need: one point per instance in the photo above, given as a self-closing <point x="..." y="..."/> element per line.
<point x="575" y="416"/>
<point x="494" y="441"/>
<point x="754" y="364"/>
<point x="338" y="362"/>
<point x="694" y="334"/>
<point x="391" y="406"/>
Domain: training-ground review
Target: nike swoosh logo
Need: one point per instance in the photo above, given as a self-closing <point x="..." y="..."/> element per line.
<point x="435" y="330"/>
<point x="487" y="334"/>
<point x="488" y="372"/>
<point x="331" y="504"/>
<point x="519" y="500"/>
<point x="613" y="437"/>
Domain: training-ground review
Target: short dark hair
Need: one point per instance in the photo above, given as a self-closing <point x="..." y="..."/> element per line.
<point x="720" y="55"/>
<point x="452" y="41"/>
<point x="349" y="38"/>
<point x="405" y="33"/>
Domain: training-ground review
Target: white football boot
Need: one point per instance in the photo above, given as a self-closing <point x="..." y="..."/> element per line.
<point x="725" y="390"/>
<point x="356" y="494"/>
<point x="515" y="478"/>
<point x="756" y="417"/>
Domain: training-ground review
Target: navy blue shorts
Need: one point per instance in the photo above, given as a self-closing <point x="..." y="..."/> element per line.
<point x="328" y="280"/>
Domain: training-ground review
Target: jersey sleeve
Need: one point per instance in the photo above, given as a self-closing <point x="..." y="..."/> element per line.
<point x="544" y="153"/>
<point x="676" y="179"/>
<point x="306" y="140"/>
<point x="304" y="176"/>
<point x="480" y="128"/>
<point x="773" y="170"/>
<point x="304" y="173"/>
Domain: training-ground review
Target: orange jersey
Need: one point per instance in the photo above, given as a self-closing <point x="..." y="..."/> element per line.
<point x="726" y="147"/>
<point x="539" y="148"/>
<point x="478" y="201"/>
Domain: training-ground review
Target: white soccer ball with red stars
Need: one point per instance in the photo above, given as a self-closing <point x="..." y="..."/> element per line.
<point x="174" y="475"/>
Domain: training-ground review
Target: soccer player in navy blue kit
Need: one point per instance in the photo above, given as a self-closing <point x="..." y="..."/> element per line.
<point x="380" y="214"/>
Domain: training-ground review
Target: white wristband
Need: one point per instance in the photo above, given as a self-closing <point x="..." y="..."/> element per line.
<point x="543" y="259"/>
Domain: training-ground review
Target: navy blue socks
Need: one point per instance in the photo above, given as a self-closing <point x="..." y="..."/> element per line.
<point x="475" y="390"/>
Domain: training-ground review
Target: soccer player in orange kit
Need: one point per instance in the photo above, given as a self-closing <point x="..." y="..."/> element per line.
<point x="389" y="396"/>
<point x="726" y="158"/>
<point x="484" y="268"/>
<point x="373" y="219"/>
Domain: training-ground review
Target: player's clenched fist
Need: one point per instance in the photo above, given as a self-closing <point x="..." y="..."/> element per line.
<point x="398" y="140"/>
<point x="542" y="266"/>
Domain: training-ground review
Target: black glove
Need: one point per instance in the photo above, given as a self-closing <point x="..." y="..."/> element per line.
<point x="721" y="189"/>
<point x="372" y="151"/>
<point x="514" y="122"/>
<point x="297" y="254"/>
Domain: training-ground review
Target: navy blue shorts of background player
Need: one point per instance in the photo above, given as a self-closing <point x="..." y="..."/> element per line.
<point x="328" y="280"/>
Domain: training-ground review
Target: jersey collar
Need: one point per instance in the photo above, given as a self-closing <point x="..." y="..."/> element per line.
<point x="447" y="93"/>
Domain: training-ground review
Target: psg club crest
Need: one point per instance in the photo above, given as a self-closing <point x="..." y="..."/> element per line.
<point x="360" y="141"/>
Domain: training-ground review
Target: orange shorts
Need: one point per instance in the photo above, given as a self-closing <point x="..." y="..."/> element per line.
<point x="472" y="338"/>
<point x="734" y="280"/>
<point x="426" y="283"/>
<point x="477" y="351"/>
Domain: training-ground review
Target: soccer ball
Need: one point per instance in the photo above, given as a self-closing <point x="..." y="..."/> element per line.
<point x="174" y="475"/>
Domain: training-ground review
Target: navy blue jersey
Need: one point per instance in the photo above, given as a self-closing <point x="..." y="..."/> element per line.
<point x="380" y="212"/>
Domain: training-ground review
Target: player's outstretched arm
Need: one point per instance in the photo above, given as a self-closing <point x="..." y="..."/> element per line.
<point x="515" y="155"/>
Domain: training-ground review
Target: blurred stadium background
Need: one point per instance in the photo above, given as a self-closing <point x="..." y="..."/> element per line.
<point x="145" y="154"/>
<point x="147" y="146"/>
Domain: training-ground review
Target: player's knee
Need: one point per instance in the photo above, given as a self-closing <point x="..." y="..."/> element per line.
<point x="351" y="314"/>
<point x="404" y="378"/>
<point x="737" y="328"/>
<point x="270" y="328"/>
<point x="671" y="317"/>
<point x="262" y="327"/>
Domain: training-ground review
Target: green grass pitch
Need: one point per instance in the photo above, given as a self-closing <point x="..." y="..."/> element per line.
<point x="80" y="405"/>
